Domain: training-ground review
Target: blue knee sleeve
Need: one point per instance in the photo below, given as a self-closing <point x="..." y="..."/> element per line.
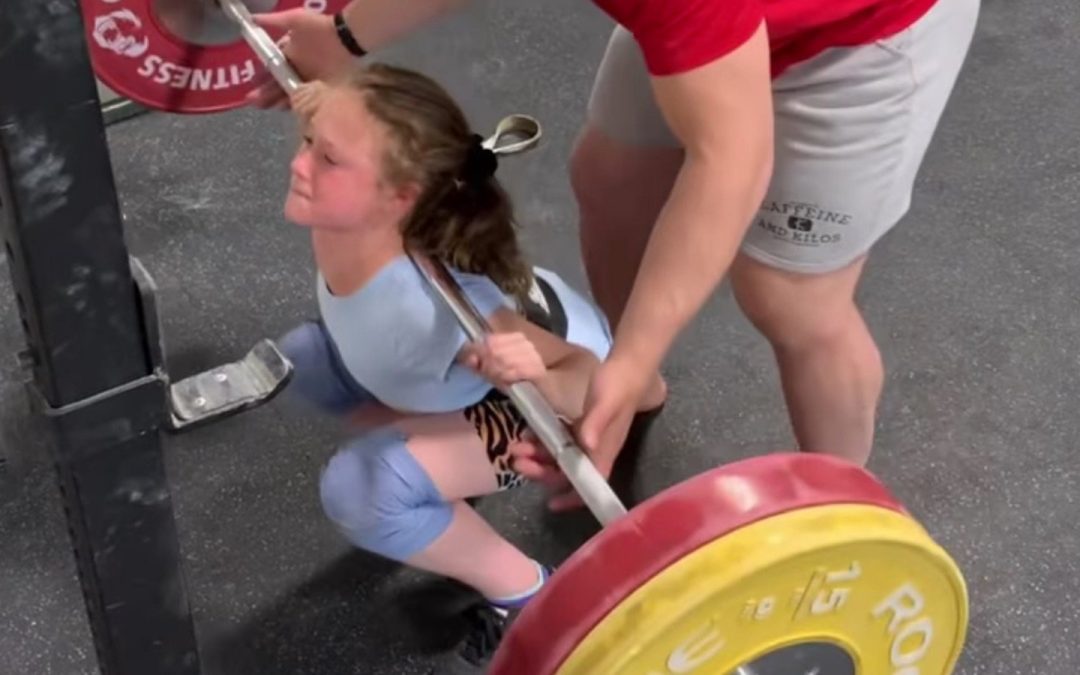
<point x="381" y="499"/>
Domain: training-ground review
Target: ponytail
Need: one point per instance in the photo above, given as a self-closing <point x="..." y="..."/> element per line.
<point x="469" y="226"/>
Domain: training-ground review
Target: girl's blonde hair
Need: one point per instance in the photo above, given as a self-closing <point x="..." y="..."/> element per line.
<point x="463" y="216"/>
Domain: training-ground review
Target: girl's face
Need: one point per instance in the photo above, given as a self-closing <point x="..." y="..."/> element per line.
<point x="337" y="173"/>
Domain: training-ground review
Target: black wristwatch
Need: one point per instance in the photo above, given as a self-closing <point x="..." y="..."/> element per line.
<point x="346" y="36"/>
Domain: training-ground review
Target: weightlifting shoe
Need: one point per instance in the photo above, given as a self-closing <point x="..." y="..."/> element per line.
<point x="487" y="625"/>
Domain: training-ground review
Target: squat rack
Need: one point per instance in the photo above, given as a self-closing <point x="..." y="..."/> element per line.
<point x="94" y="356"/>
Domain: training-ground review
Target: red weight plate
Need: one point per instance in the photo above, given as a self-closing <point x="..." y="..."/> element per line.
<point x="664" y="529"/>
<point x="135" y="53"/>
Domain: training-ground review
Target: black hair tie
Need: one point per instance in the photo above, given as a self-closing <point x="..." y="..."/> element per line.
<point x="480" y="163"/>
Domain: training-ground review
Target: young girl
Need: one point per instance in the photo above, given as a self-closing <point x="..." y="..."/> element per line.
<point x="388" y="164"/>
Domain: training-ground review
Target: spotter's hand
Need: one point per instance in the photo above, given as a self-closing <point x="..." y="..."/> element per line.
<point x="311" y="45"/>
<point x="616" y="393"/>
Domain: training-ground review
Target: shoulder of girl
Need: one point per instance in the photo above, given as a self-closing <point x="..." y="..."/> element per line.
<point x="415" y="316"/>
<point x="419" y="310"/>
<point x="479" y="288"/>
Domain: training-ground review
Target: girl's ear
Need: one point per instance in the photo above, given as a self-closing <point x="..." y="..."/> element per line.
<point x="403" y="198"/>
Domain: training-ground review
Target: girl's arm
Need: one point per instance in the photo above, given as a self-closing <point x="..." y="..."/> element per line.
<point x="565" y="369"/>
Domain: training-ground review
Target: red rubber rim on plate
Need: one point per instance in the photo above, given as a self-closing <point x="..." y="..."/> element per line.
<point x="664" y="529"/>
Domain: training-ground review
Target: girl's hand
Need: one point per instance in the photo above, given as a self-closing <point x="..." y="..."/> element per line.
<point x="506" y="358"/>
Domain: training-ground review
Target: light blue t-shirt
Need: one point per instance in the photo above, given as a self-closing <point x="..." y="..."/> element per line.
<point x="400" y="342"/>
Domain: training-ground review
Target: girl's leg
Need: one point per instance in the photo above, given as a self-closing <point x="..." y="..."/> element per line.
<point x="470" y="550"/>
<point x="398" y="492"/>
<point x="319" y="379"/>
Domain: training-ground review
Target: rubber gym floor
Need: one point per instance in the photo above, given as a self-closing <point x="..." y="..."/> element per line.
<point x="972" y="299"/>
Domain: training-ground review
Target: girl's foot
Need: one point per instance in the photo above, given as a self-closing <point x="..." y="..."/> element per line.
<point x="488" y="622"/>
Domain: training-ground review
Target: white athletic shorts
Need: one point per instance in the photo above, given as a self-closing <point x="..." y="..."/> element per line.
<point x="852" y="127"/>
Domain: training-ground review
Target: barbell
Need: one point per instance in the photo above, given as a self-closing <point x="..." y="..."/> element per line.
<point x="784" y="564"/>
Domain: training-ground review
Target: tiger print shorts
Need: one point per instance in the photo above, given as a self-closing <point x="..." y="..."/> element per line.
<point x="498" y="423"/>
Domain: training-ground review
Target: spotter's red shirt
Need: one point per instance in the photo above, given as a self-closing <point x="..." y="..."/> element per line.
<point x="680" y="35"/>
